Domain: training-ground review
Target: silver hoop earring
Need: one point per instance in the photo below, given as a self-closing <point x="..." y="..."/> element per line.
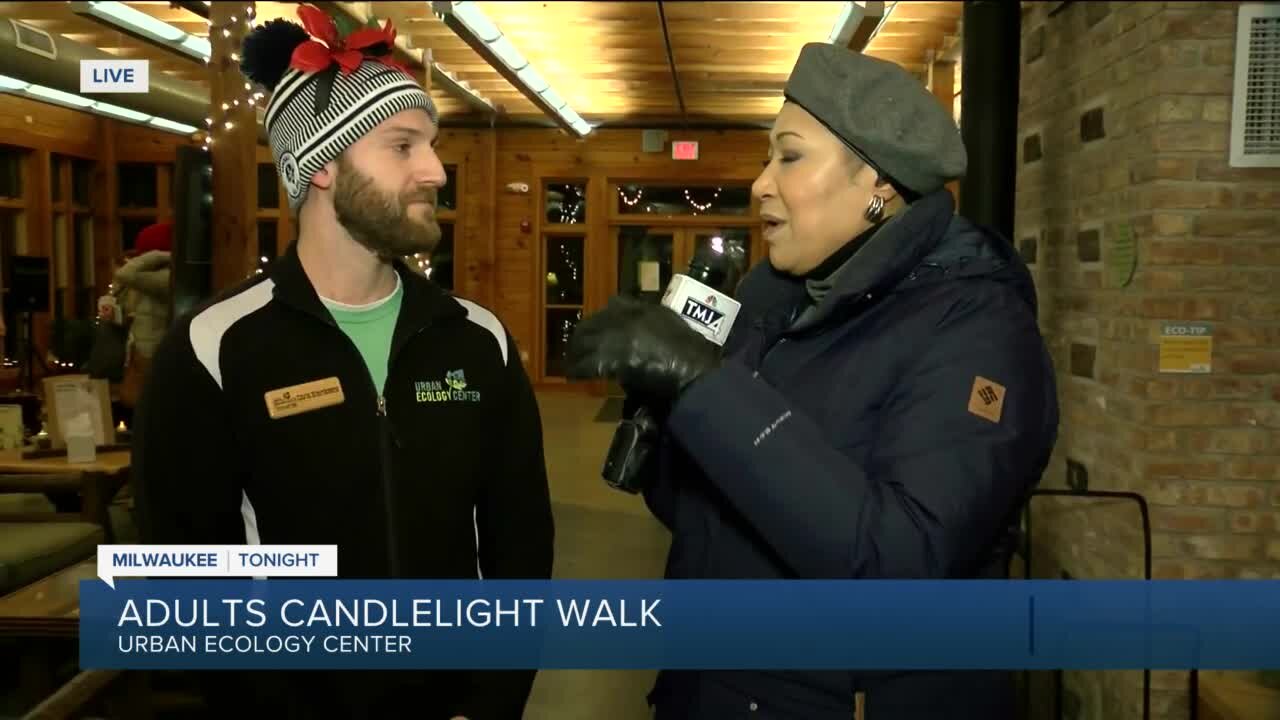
<point x="875" y="208"/>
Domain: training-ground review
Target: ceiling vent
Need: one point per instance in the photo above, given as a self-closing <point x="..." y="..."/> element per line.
<point x="34" y="40"/>
<point x="1255" y="108"/>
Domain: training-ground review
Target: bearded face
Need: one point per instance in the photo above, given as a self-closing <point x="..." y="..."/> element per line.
<point x="390" y="223"/>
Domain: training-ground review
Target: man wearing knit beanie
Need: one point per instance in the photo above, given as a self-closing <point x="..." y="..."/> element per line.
<point x="341" y="398"/>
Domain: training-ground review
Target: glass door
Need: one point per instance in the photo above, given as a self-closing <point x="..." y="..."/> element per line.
<point x="649" y="255"/>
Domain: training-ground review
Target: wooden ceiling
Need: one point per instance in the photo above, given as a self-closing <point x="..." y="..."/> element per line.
<point x="608" y="60"/>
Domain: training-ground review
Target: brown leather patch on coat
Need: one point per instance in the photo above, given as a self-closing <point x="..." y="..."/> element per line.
<point x="987" y="399"/>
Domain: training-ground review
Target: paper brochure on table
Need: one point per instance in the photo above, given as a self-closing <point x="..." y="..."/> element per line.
<point x="79" y="406"/>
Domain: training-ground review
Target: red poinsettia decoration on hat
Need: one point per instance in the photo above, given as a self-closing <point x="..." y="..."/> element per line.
<point x="345" y="49"/>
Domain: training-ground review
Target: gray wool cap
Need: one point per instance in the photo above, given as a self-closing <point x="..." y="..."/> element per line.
<point x="882" y="112"/>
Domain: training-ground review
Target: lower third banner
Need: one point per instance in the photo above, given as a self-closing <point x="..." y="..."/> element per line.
<point x="850" y="625"/>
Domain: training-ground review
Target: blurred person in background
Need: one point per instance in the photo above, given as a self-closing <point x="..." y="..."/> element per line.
<point x="143" y="289"/>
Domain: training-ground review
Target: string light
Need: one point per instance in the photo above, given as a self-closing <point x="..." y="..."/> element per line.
<point x="420" y="262"/>
<point x="569" y="214"/>
<point x="222" y="121"/>
<point x="699" y="207"/>
<point x="629" y="202"/>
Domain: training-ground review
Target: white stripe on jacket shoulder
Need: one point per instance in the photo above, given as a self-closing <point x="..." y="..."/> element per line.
<point x="487" y="320"/>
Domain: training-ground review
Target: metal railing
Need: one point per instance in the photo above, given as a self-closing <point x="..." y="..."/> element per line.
<point x="1025" y="551"/>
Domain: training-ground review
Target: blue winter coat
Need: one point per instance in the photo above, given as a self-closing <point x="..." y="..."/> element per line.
<point x="898" y="436"/>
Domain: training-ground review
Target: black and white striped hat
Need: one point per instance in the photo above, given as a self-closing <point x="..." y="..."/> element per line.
<point x="324" y="97"/>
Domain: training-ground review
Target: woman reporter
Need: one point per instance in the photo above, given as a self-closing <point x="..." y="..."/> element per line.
<point x="884" y="403"/>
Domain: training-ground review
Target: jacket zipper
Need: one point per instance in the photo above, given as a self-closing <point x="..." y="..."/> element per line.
<point x="386" y="438"/>
<point x="385" y="462"/>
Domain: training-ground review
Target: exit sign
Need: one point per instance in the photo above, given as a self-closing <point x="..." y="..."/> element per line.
<point x="684" y="150"/>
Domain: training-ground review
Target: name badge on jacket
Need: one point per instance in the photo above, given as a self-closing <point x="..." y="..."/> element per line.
<point x="298" y="399"/>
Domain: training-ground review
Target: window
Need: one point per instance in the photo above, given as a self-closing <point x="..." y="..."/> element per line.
<point x="267" y="242"/>
<point x="268" y="187"/>
<point x="677" y="200"/>
<point x="441" y="262"/>
<point x="137" y="186"/>
<point x="11" y="172"/>
<point x="564" y="270"/>
<point x="566" y="203"/>
<point x="61" y="264"/>
<point x="560" y="326"/>
<point x="82" y="182"/>
<point x="563" y="261"/>
<point x="86" y="302"/>
<point x="56" y="163"/>
<point x="447" y="197"/>
<point x="11" y="244"/>
<point x="129" y="229"/>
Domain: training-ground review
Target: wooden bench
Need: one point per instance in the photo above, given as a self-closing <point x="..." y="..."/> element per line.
<point x="97" y="483"/>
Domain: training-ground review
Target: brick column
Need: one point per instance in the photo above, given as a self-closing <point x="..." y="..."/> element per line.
<point x="1124" y="128"/>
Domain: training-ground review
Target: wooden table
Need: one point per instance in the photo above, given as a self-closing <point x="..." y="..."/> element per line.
<point x="97" y="482"/>
<point x="49" y="607"/>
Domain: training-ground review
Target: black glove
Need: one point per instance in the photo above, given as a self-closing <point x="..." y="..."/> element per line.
<point x="646" y="348"/>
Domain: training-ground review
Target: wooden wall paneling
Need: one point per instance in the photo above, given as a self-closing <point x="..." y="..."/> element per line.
<point x="489" y="263"/>
<point x="538" y="286"/>
<point x="235" y="170"/>
<point x="137" y="144"/>
<point x="105" y="200"/>
<point x="468" y="152"/>
<point x="36" y="125"/>
<point x="515" y="261"/>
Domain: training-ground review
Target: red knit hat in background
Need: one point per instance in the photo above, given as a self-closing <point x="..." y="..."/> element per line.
<point x="157" y="236"/>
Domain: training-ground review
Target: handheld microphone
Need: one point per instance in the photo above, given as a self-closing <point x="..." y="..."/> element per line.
<point x="703" y="297"/>
<point x="703" y="294"/>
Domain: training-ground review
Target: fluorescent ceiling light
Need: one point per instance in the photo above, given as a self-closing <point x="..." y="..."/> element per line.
<point x="531" y="78"/>
<point x="552" y="98"/>
<point x="471" y="16"/>
<point x="120" y="112"/>
<point x="570" y="116"/>
<point x="198" y="45"/>
<point x="60" y="96"/>
<point x="123" y="16"/>
<point x="508" y="53"/>
<point x="171" y="125"/>
<point x="838" y="28"/>
<point x="121" y="12"/>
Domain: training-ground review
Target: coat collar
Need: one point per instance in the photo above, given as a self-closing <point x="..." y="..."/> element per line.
<point x="882" y="263"/>
<point x="423" y="304"/>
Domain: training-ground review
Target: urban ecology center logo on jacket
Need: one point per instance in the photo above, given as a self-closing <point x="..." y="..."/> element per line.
<point x="453" y="389"/>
